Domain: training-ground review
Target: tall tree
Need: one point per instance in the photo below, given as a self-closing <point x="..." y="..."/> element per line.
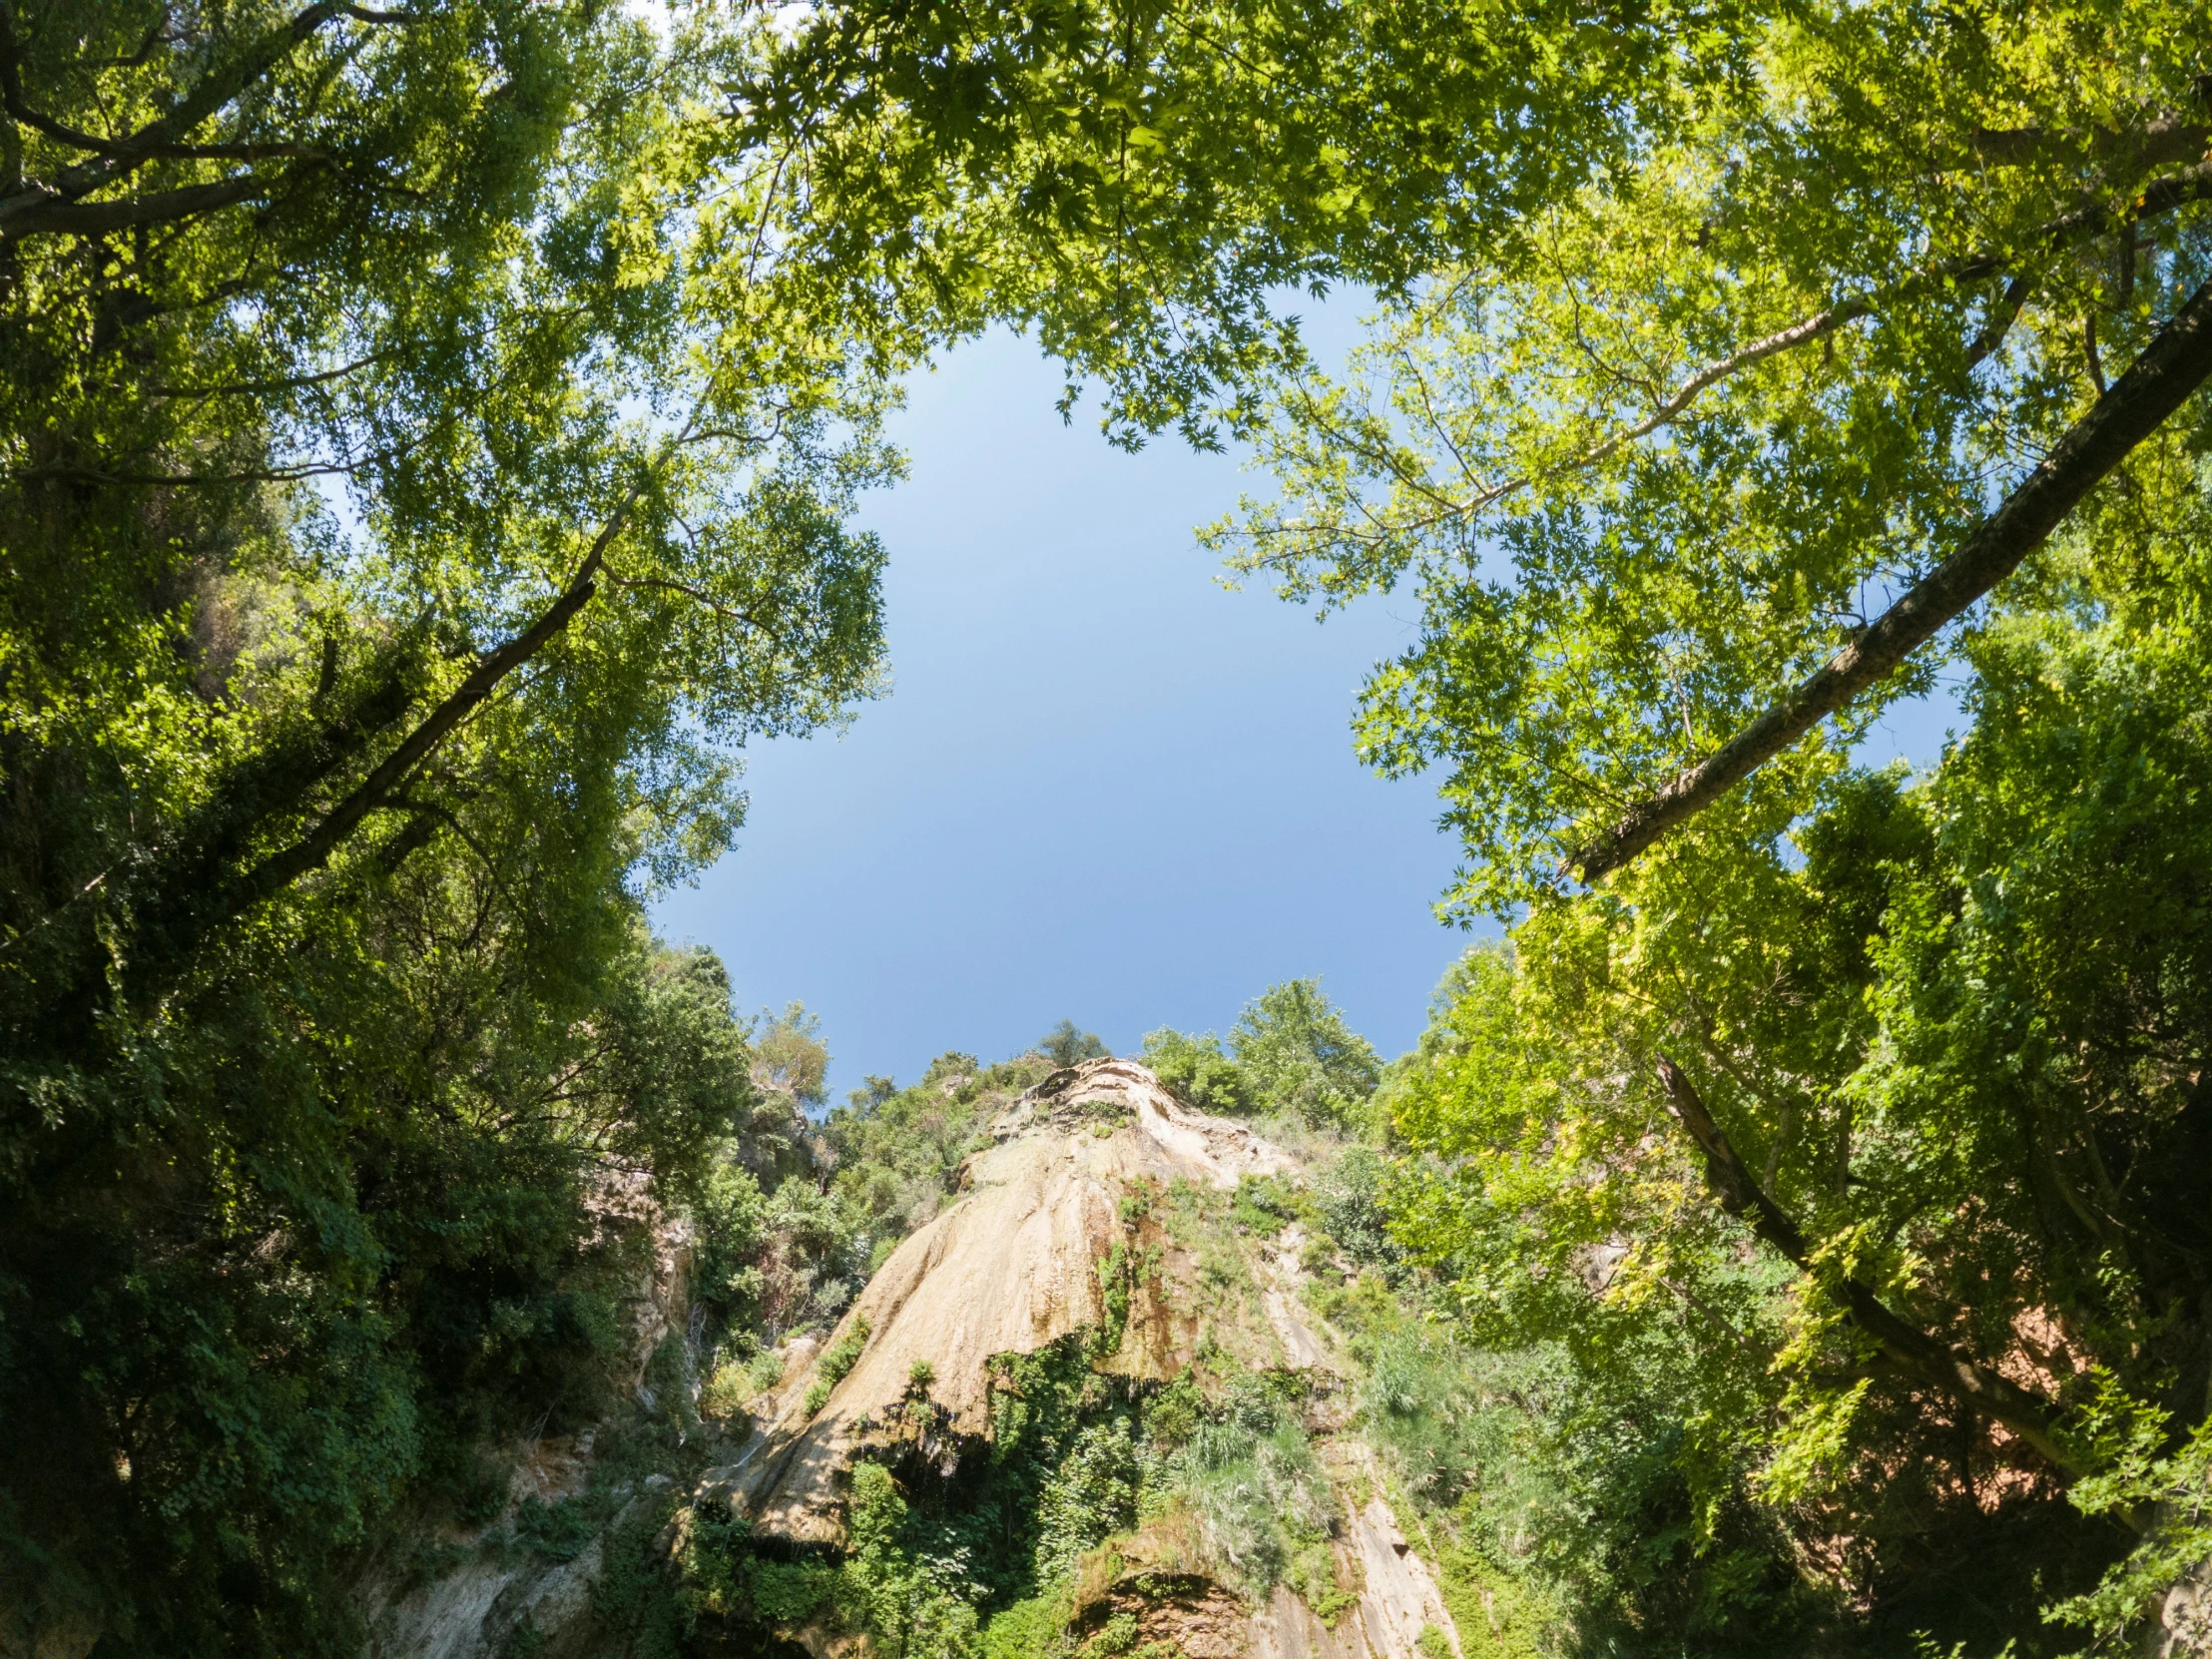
<point x="1884" y="363"/>
<point x="419" y="472"/>
<point x="1691" y="469"/>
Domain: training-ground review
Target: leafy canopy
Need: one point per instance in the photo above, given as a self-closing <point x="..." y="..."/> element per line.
<point x="1290" y="1052"/>
<point x="1680" y="437"/>
<point x="421" y="470"/>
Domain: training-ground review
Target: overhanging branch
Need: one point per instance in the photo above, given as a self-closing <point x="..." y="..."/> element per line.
<point x="2172" y="366"/>
<point x="31" y="212"/>
<point x="1918" y="1356"/>
<point x="282" y="869"/>
<point x="2085" y="223"/>
<point x="29" y="208"/>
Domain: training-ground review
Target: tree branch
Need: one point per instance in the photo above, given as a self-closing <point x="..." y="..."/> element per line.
<point x="36" y="210"/>
<point x="280" y="869"/>
<point x="2172" y="366"/>
<point x="2162" y="196"/>
<point x="164" y="137"/>
<point x="2169" y="138"/>
<point x="263" y="388"/>
<point x="1920" y="1357"/>
<point x="2001" y="318"/>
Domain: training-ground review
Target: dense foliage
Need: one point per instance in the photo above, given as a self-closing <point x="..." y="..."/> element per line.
<point x="428" y="439"/>
<point x="1290" y="1054"/>
<point x="1841" y="1129"/>
<point x="415" y="489"/>
<point x="1959" y="1042"/>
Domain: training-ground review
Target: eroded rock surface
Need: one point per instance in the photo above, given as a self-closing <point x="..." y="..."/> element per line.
<point x="1011" y="1266"/>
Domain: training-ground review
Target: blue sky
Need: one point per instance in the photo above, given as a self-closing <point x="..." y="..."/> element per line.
<point x="1102" y="787"/>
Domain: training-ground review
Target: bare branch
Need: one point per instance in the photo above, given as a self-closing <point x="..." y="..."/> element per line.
<point x="2172" y="366"/>
<point x="2000" y="321"/>
<point x="212" y="481"/>
<point x="261" y="388"/>
<point x="279" y="870"/>
<point x="158" y="35"/>
<point x="698" y="596"/>
<point x="126" y="150"/>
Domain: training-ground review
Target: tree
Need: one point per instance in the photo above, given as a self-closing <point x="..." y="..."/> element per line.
<point x="419" y="471"/>
<point x="1197" y="1070"/>
<point x="1141" y="181"/>
<point x="1690" y="468"/>
<point x="1885" y="1146"/>
<point x="1064" y="1045"/>
<point x="1703" y="325"/>
<point x="1299" y="1056"/>
<point x="790" y="1056"/>
<point x="1879" y="360"/>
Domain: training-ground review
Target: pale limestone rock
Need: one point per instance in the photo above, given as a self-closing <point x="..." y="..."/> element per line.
<point x="1011" y="1266"/>
<point x="1008" y="1268"/>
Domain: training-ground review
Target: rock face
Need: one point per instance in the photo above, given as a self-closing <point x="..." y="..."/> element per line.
<point x="479" y="1608"/>
<point x="1092" y="1175"/>
<point x="493" y="1601"/>
<point x="1016" y="1264"/>
<point x="1011" y="1266"/>
<point x="1399" y="1600"/>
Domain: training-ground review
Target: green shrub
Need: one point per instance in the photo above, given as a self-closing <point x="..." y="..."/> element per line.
<point x="1068" y="1045"/>
<point x="1264" y="1204"/>
<point x="1196" y="1072"/>
<point x="1261" y="1501"/>
<point x="791" y="1592"/>
<point x="558" y="1530"/>
<point x="1036" y="1628"/>
<point x="1349" y="1199"/>
<point x="727" y="1391"/>
<point x="1116" y="1636"/>
<point x="1297" y="1056"/>
<point x="1088" y="1498"/>
<point x="838" y="1360"/>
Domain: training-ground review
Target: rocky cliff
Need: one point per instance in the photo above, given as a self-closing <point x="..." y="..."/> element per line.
<point x="1093" y="1386"/>
<point x="1099" y="1213"/>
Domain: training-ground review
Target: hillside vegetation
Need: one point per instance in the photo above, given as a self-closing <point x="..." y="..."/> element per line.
<point x="431" y="440"/>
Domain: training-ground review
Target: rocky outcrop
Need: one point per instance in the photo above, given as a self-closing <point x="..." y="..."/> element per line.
<point x="1011" y="1266"/>
<point x="1071" y="1184"/>
<point x="2184" y="1625"/>
<point x="1399" y="1599"/>
<point x="1099" y="1207"/>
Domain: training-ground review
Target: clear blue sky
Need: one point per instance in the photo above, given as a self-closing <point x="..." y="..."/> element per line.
<point x="1101" y="787"/>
